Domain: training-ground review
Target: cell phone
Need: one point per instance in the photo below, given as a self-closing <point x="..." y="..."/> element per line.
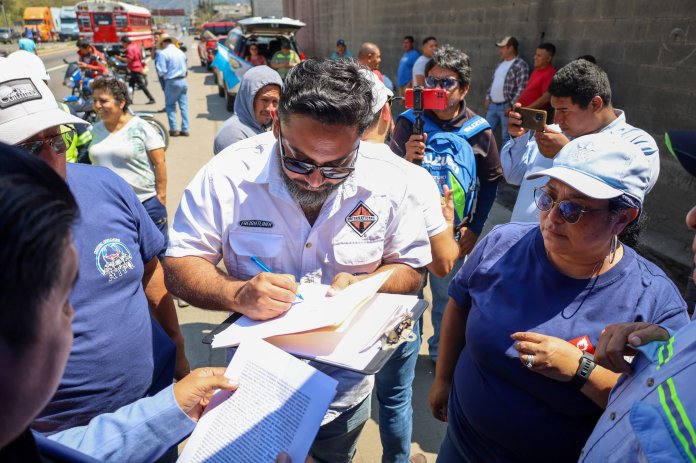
<point x="533" y="119"/>
<point x="425" y="98"/>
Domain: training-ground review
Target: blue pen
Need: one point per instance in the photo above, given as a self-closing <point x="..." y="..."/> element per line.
<point x="265" y="268"/>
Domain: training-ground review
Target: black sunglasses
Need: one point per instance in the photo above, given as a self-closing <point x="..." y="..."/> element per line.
<point x="445" y="83"/>
<point x="58" y="143"/>
<point x="306" y="168"/>
<point x="570" y="211"/>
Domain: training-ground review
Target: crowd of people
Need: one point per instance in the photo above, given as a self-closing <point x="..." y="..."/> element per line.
<point x="554" y="340"/>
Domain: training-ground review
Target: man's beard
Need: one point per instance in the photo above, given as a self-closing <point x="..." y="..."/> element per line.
<point x="307" y="198"/>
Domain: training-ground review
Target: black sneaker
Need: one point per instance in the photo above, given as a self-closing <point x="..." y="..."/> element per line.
<point x="150" y="102"/>
<point x="184" y="134"/>
<point x="174" y="133"/>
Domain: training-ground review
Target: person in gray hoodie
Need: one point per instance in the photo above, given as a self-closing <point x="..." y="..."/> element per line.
<point x="257" y="99"/>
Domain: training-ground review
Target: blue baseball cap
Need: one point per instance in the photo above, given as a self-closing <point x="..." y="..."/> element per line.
<point x="341" y="42"/>
<point x="601" y="166"/>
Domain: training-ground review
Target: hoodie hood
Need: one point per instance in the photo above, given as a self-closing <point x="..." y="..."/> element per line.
<point x="254" y="79"/>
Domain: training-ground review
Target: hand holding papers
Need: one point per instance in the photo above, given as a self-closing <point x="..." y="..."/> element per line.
<point x="278" y="408"/>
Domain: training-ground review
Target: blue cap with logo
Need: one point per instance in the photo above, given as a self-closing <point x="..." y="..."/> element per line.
<point x="601" y="166"/>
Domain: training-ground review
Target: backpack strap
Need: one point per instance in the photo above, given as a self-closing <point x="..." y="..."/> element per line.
<point x="428" y="125"/>
<point x="473" y="127"/>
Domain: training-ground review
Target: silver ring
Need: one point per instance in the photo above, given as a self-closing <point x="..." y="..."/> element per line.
<point x="530" y="360"/>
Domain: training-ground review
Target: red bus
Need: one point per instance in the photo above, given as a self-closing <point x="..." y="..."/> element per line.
<point x="103" y="23"/>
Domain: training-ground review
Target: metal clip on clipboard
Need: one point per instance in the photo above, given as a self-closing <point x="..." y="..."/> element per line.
<point x="402" y="332"/>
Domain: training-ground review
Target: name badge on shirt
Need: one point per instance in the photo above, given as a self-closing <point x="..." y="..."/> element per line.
<point x="583" y="343"/>
<point x="256" y="223"/>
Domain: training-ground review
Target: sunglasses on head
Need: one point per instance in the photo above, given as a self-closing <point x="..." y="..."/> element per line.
<point x="570" y="211"/>
<point x="445" y="83"/>
<point x="58" y="143"/>
<point x="306" y="168"/>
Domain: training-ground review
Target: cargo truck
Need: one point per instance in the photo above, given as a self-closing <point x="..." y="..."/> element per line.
<point x="40" y="19"/>
<point x="68" y="24"/>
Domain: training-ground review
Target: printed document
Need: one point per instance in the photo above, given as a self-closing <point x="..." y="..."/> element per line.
<point x="278" y="407"/>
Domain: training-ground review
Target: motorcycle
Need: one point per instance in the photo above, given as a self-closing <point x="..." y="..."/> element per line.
<point x="81" y="101"/>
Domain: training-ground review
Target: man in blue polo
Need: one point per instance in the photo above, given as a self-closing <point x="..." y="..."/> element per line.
<point x="408" y="59"/>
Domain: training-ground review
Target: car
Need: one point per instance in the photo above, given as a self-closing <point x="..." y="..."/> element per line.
<point x="266" y="32"/>
<point x="211" y="34"/>
<point x="7" y="35"/>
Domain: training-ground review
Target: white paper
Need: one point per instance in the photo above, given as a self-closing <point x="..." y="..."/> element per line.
<point x="278" y="407"/>
<point x="316" y="311"/>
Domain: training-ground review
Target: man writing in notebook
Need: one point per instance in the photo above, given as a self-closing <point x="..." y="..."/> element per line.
<point x="312" y="205"/>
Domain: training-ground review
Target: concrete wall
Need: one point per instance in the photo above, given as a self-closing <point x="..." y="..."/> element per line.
<point x="648" y="49"/>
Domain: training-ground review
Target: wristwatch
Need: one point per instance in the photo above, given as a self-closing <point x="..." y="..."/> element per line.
<point x="587" y="364"/>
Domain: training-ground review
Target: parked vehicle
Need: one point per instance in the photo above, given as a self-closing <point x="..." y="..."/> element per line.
<point x="6" y="35"/>
<point x="229" y="64"/>
<point x="40" y="19"/>
<point x="211" y="34"/>
<point x="68" y="24"/>
<point x="55" y="30"/>
<point x="103" y="23"/>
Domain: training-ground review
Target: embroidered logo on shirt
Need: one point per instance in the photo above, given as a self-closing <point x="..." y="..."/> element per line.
<point x="256" y="223"/>
<point x="361" y="219"/>
<point x="583" y="343"/>
<point x="113" y="258"/>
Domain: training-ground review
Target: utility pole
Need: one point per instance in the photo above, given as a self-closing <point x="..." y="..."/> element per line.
<point x="4" y="16"/>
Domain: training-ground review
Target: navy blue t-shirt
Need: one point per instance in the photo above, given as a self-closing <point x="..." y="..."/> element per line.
<point x="111" y="360"/>
<point x="499" y="409"/>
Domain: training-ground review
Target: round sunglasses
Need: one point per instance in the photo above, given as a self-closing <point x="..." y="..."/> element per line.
<point x="446" y="83"/>
<point x="570" y="211"/>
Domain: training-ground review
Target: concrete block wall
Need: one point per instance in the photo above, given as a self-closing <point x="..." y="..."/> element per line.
<point x="647" y="48"/>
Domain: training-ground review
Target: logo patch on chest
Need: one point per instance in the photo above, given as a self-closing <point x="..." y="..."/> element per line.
<point x="361" y="219"/>
<point x="113" y="258"/>
<point x="256" y="223"/>
<point x="583" y="343"/>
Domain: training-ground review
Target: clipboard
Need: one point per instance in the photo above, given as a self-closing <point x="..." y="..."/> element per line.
<point x="378" y="354"/>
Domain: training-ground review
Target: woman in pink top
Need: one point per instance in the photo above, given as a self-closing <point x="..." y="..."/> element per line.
<point x="254" y="57"/>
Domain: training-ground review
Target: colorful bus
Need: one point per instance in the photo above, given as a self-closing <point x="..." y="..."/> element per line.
<point x="103" y="23"/>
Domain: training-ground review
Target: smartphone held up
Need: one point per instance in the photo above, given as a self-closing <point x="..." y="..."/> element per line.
<point x="533" y="119"/>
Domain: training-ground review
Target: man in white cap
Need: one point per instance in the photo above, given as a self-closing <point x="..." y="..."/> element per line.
<point x="119" y="354"/>
<point x="395" y="379"/>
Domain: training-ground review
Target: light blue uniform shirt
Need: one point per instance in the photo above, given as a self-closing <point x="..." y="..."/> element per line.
<point x="139" y="432"/>
<point x="651" y="414"/>
<point x="171" y="63"/>
<point x="27" y="44"/>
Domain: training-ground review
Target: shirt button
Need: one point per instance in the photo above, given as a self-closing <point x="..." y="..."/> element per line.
<point x="650" y="382"/>
<point x="612" y="416"/>
<point x="308" y="245"/>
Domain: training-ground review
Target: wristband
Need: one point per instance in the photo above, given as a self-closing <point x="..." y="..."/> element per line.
<point x="587" y="364"/>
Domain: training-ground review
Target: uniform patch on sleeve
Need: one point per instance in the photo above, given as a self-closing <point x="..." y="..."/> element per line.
<point x="361" y="219"/>
<point x="583" y="343"/>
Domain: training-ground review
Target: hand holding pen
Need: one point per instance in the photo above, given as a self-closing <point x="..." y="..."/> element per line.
<point x="266" y="295"/>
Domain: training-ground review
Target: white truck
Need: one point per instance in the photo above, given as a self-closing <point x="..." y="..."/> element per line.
<point x="68" y="24"/>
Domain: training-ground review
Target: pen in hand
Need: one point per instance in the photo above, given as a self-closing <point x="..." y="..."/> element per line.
<point x="265" y="268"/>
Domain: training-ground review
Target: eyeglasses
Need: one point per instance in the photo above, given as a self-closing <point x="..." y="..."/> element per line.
<point x="58" y="143"/>
<point x="306" y="168"/>
<point x="570" y="211"/>
<point x="446" y="83"/>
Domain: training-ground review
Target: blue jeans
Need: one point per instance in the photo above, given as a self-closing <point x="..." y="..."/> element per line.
<point x="337" y="440"/>
<point x="394" y="392"/>
<point x="158" y="213"/>
<point x="495" y="116"/>
<point x="438" y="286"/>
<point x="176" y="91"/>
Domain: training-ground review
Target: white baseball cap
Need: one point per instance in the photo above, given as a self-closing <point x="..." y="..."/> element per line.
<point x="27" y="106"/>
<point x="30" y="60"/>
<point x="601" y="166"/>
<point x="380" y="93"/>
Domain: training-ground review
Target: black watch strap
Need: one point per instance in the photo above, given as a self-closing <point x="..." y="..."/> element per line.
<point x="587" y="364"/>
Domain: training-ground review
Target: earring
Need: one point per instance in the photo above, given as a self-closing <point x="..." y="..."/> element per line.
<point x="612" y="248"/>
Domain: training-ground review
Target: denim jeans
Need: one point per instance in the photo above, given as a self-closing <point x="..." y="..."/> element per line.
<point x="394" y="392"/>
<point x="495" y="116"/>
<point x="438" y="287"/>
<point x="176" y="91"/>
<point x="158" y="213"/>
<point x="337" y="440"/>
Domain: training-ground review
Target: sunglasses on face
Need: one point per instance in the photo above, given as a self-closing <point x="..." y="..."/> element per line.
<point x="570" y="211"/>
<point x="57" y="143"/>
<point x="306" y="168"/>
<point x="446" y="83"/>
